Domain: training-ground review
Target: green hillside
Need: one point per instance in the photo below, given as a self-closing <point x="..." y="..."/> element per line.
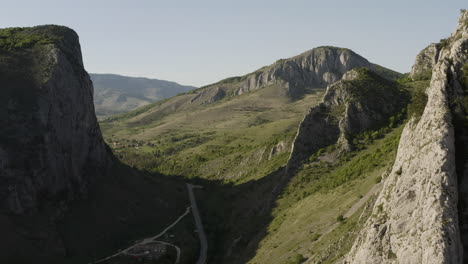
<point x="237" y="148"/>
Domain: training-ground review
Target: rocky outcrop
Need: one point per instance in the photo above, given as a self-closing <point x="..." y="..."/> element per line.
<point x="51" y="148"/>
<point x="209" y="96"/>
<point x="425" y="61"/>
<point x="280" y="147"/>
<point x="415" y="218"/>
<point x="315" y="68"/>
<point x="361" y="101"/>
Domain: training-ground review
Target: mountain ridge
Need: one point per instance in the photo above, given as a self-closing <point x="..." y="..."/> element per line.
<point x="115" y="94"/>
<point x="315" y="68"/>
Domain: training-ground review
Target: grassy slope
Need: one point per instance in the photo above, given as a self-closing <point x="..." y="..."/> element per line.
<point x="320" y="192"/>
<point x="230" y="139"/>
<point x="305" y="211"/>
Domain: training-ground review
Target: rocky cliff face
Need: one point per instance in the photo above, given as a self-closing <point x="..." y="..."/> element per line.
<point x="362" y="100"/>
<point x="415" y="218"/>
<point x="315" y="68"/>
<point x="318" y="67"/>
<point x="51" y="147"/>
<point x="425" y="61"/>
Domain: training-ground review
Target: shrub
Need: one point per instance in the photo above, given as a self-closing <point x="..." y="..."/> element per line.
<point x="18" y="38"/>
<point x="315" y="237"/>
<point x="418" y="103"/>
<point x="297" y="259"/>
<point x="399" y="171"/>
<point x="340" y="218"/>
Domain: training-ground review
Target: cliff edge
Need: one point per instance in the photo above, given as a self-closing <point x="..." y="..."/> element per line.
<point x="51" y="147"/>
<point x="415" y="217"/>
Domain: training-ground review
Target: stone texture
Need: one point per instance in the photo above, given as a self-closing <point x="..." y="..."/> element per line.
<point x="425" y="61"/>
<point x="53" y="149"/>
<point x="415" y="217"/>
<point x="315" y="68"/>
<point x="362" y="100"/>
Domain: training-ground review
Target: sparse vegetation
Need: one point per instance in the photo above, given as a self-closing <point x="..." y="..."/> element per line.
<point x="18" y="38"/>
<point x="297" y="259"/>
<point x="418" y="98"/>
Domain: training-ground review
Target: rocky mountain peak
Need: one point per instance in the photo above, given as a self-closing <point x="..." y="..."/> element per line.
<point x="312" y="69"/>
<point x="360" y="101"/>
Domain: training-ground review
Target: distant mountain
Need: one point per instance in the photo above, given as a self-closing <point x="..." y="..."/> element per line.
<point x="241" y="131"/>
<point x="286" y="80"/>
<point x="115" y="94"/>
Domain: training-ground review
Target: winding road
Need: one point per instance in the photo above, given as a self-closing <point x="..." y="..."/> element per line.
<point x="198" y="223"/>
<point x="201" y="232"/>
<point x="150" y="240"/>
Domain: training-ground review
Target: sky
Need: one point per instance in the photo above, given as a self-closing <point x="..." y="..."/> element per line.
<point x="199" y="42"/>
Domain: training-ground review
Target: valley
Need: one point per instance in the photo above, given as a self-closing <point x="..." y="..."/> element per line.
<point x="320" y="158"/>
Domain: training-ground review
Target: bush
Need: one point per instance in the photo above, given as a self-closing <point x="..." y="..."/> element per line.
<point x="340" y="218"/>
<point x="18" y="38"/>
<point x="315" y="237"/>
<point x="297" y="259"/>
<point x="418" y="103"/>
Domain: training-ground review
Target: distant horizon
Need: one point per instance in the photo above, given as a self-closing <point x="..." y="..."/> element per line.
<point x="139" y="77"/>
<point x="155" y="78"/>
<point x="199" y="43"/>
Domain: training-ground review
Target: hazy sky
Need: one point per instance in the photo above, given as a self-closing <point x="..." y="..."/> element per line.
<point x="199" y="42"/>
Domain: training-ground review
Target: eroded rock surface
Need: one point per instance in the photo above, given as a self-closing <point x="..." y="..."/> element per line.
<point x="51" y="147"/>
<point x="415" y="217"/>
<point x="315" y="68"/>
<point x="425" y="61"/>
<point x="362" y="100"/>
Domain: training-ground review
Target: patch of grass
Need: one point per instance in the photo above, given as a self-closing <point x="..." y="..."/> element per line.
<point x="231" y="140"/>
<point x="22" y="38"/>
<point x="318" y="194"/>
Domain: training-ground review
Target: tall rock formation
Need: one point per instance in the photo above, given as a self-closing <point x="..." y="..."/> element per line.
<point x="318" y="67"/>
<point x="425" y="61"/>
<point x="361" y="101"/>
<point x="415" y="218"/>
<point x="51" y="147"/>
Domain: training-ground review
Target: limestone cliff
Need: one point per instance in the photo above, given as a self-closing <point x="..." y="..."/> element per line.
<point x="51" y="147"/>
<point x="425" y="61"/>
<point x="315" y="68"/>
<point x="415" y="217"/>
<point x="361" y="101"/>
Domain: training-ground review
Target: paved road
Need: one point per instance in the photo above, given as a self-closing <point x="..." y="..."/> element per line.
<point x="201" y="232"/>
<point x="150" y="240"/>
